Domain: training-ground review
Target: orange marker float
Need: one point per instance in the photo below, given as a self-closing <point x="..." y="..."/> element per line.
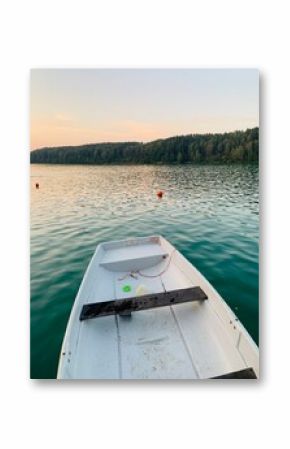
<point x="160" y="194"/>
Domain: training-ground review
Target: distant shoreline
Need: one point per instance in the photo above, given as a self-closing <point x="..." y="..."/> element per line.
<point x="230" y="147"/>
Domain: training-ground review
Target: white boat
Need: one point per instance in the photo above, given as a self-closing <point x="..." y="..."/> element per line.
<point x="144" y="312"/>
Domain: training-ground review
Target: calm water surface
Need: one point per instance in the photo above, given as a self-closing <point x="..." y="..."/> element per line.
<point x="210" y="213"/>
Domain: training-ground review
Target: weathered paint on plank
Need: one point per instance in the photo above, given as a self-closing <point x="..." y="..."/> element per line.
<point x="144" y="302"/>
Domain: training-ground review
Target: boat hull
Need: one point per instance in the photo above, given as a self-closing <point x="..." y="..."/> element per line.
<point x="194" y="340"/>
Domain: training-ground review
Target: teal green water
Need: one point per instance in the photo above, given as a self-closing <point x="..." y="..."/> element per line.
<point x="210" y="213"/>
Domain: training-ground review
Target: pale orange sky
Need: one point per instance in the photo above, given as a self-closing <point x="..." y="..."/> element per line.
<point x="73" y="107"/>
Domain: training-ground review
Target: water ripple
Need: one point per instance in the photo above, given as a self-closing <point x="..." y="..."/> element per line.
<point x="210" y="213"/>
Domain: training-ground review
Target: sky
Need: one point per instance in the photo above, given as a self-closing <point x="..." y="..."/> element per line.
<point x="78" y="106"/>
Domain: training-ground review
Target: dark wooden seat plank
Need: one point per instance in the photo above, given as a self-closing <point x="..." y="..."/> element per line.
<point x="137" y="303"/>
<point x="247" y="373"/>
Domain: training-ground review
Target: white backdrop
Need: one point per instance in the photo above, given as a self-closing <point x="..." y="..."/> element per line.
<point x="147" y="33"/>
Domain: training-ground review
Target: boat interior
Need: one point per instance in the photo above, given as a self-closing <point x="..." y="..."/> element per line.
<point x="193" y="340"/>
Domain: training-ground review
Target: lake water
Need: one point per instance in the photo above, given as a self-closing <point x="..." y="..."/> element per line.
<point x="210" y="213"/>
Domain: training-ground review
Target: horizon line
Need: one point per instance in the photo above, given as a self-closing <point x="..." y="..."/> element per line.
<point x="144" y="142"/>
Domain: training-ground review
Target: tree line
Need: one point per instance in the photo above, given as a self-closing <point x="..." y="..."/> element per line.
<point x="237" y="146"/>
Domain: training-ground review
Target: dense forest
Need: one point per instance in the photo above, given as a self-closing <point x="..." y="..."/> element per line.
<point x="238" y="146"/>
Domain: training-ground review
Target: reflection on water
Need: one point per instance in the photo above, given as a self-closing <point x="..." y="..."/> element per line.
<point x="210" y="213"/>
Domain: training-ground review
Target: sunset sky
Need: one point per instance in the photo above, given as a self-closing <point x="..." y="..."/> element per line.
<point x="77" y="106"/>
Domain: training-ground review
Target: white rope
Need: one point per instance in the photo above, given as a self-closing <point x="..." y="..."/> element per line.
<point x="133" y="273"/>
<point x="159" y="274"/>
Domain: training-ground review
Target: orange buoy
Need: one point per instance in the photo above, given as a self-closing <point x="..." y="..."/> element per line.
<point x="37" y="185"/>
<point x="160" y="194"/>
